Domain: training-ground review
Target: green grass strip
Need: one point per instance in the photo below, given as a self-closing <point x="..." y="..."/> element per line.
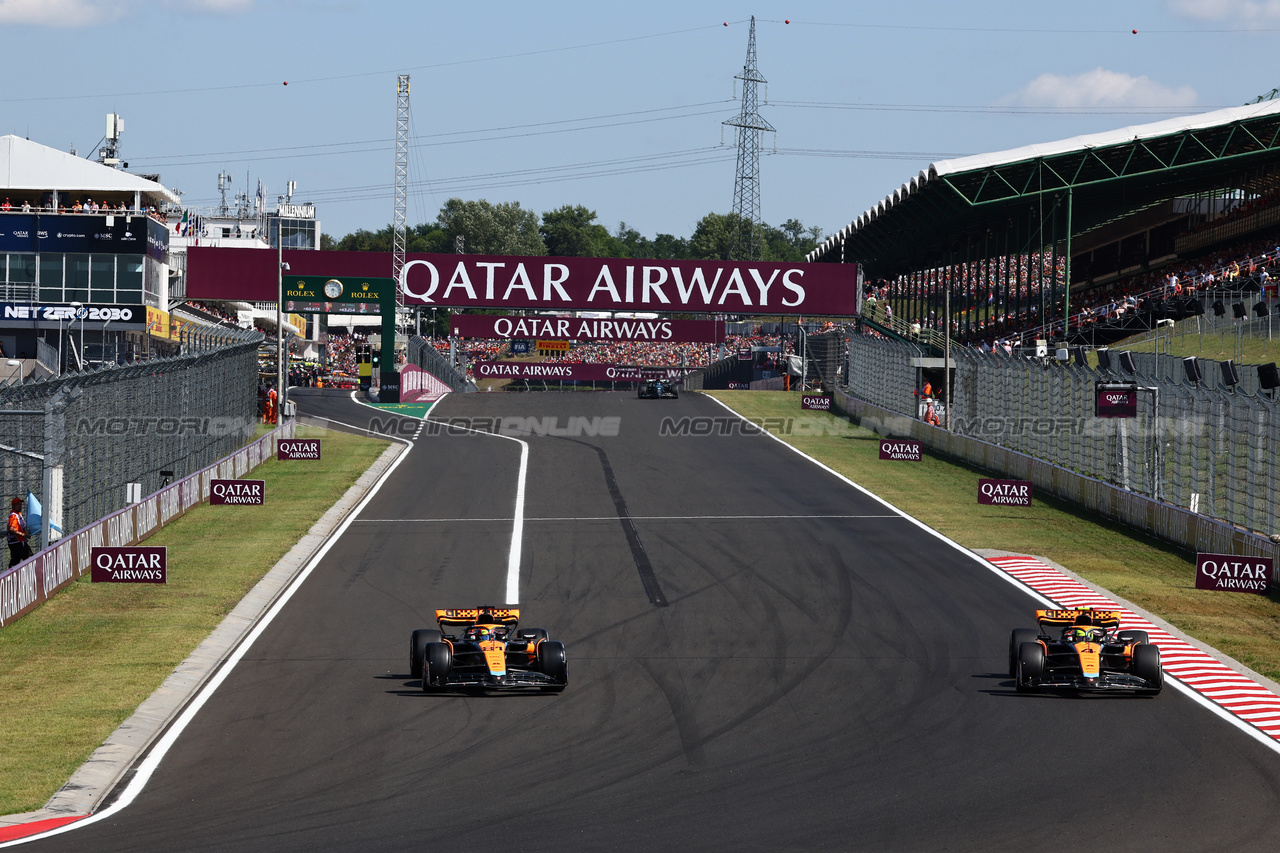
<point x="74" y="669"/>
<point x="412" y="410"/>
<point x="943" y="493"/>
<point x="1217" y="345"/>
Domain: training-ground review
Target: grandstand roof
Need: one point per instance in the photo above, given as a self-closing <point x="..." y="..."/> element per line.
<point x="27" y="165"/>
<point x="1110" y="175"/>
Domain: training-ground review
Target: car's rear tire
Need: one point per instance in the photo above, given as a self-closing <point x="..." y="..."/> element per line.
<point x="1030" y="666"/>
<point x="418" y="648"/>
<point x="1146" y="665"/>
<point x="437" y="663"/>
<point x="1019" y="636"/>
<point x="551" y="662"/>
<point x="1133" y="637"/>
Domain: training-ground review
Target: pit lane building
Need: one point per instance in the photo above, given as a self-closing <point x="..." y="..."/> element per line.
<point x="83" y="247"/>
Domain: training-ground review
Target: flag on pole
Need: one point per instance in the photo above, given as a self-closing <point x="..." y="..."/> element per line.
<point x="182" y="226"/>
<point x="35" y="519"/>
<point x="260" y="196"/>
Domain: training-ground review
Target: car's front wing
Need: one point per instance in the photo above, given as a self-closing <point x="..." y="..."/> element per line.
<point x="1119" y="682"/>
<point x="512" y="679"/>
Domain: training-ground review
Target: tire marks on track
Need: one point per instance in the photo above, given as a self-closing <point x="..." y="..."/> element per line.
<point x="643" y="564"/>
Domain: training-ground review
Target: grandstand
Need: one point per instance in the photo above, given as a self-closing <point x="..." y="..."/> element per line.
<point x="1018" y="242"/>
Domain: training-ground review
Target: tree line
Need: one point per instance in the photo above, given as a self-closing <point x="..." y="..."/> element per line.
<point x="571" y="231"/>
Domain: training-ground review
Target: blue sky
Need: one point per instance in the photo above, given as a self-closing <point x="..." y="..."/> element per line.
<point x="614" y="106"/>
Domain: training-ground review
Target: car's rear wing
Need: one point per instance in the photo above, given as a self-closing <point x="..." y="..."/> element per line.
<point x="1063" y="618"/>
<point x="478" y="616"/>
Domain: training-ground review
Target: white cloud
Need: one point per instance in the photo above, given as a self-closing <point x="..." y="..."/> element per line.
<point x="1231" y="10"/>
<point x="1099" y="88"/>
<point x="60" y="13"/>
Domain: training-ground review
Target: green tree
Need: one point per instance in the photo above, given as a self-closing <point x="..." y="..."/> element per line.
<point x="670" y="247"/>
<point x="713" y="237"/>
<point x="492" y="229"/>
<point x="572" y="232"/>
<point x="362" y="240"/>
<point x="630" y="243"/>
<point x="428" y="237"/>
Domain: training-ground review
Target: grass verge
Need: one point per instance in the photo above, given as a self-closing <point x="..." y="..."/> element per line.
<point x="74" y="669"/>
<point x="943" y="494"/>
<point x="1218" y="345"/>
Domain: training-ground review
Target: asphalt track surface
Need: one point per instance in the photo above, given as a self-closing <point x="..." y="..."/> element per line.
<point x="831" y="682"/>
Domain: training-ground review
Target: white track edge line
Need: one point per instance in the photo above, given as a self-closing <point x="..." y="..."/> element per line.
<point x="1260" y="736"/>
<point x="515" y="553"/>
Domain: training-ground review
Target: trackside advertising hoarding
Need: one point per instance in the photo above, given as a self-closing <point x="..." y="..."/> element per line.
<point x="30" y="583"/>
<point x="815" y="402"/>
<point x="576" y="372"/>
<point x="1115" y="399"/>
<point x="1225" y="573"/>
<point x="1005" y="492"/>
<point x="901" y="449"/>
<point x="587" y="329"/>
<point x="132" y="564"/>
<point x="298" y="448"/>
<point x="246" y="492"/>
<point x="549" y="284"/>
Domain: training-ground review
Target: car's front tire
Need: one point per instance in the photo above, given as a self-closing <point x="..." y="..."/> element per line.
<point x="551" y="662"/>
<point x="1146" y="665"/>
<point x="1030" y="666"/>
<point x="418" y="648"/>
<point x="436" y="666"/>
<point x="1019" y="636"/>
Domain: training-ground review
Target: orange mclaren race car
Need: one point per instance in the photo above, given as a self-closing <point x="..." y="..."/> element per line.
<point x="1084" y="650"/>
<point x="487" y="651"/>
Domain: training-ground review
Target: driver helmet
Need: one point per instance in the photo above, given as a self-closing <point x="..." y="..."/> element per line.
<point x="1085" y="634"/>
<point x="1084" y="629"/>
<point x="478" y="634"/>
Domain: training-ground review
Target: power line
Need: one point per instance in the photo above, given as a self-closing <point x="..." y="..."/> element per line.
<point x="978" y="108"/>
<point x="870" y="155"/>
<point x="293" y="152"/>
<point x="1013" y="30"/>
<point x="527" y="177"/>
<point x="274" y="83"/>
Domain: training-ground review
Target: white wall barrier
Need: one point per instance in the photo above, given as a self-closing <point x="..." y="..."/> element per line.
<point x="30" y="583"/>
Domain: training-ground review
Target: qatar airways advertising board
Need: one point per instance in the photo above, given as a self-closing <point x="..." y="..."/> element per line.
<point x="1005" y="492"/>
<point x="617" y="284"/>
<point x="1115" y="400"/>
<point x="544" y="283"/>
<point x="587" y="329"/>
<point x="1227" y="573"/>
<point x="575" y="372"/>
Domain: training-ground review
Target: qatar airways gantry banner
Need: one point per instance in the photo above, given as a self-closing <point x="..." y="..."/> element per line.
<point x="586" y="329"/>
<point x="549" y="284"/>
<point x="573" y="372"/>
<point x="622" y="284"/>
